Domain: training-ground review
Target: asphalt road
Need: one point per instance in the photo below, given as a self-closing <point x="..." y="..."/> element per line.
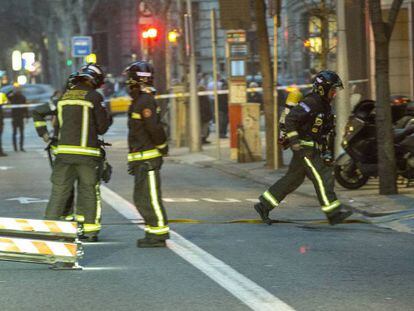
<point x="207" y="266"/>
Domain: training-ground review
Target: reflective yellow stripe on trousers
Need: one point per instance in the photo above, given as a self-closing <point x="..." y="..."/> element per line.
<point x="152" y="182"/>
<point x="328" y="206"/>
<point x="270" y="198"/>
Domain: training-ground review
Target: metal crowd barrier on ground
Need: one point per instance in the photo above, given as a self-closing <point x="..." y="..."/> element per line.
<point x="49" y="242"/>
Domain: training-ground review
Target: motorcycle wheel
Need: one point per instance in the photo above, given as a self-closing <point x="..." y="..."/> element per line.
<point x="348" y="176"/>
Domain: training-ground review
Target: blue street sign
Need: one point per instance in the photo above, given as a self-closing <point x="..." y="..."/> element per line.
<point x="81" y="46"/>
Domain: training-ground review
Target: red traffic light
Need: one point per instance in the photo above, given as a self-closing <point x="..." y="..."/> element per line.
<point x="150" y="33"/>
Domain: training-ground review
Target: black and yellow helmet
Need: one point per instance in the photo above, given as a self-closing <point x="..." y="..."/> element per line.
<point x="139" y="73"/>
<point x="91" y="73"/>
<point x="324" y="81"/>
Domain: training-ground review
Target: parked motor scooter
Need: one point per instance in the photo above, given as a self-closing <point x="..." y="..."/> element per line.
<point x="359" y="162"/>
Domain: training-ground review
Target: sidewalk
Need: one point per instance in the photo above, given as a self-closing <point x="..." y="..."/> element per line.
<point x="365" y="200"/>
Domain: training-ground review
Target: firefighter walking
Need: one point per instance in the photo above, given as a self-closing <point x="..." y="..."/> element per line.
<point x="309" y="127"/>
<point x="81" y="118"/>
<point x="147" y="146"/>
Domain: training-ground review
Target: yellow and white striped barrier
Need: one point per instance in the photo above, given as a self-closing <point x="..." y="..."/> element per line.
<point x="58" y="229"/>
<point x="40" y="251"/>
<point x="34" y="240"/>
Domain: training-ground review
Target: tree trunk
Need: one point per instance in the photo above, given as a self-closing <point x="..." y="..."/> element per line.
<point x="158" y="58"/>
<point x="386" y="153"/>
<point x="54" y="57"/>
<point x="266" y="69"/>
<point x="324" y="35"/>
<point x="45" y="76"/>
<point x="385" y="141"/>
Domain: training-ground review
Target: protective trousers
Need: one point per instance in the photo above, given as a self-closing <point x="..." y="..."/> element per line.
<point x="88" y="205"/>
<point x="18" y="124"/>
<point x="1" y="134"/>
<point x="147" y="198"/>
<point x="306" y="162"/>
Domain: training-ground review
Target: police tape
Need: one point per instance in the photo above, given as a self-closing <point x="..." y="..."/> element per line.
<point x="248" y="90"/>
<point x="8" y="106"/>
<point x="201" y="93"/>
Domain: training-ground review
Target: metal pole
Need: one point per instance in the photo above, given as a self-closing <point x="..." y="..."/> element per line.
<point x="195" y="135"/>
<point x="275" y="106"/>
<point x="214" y="54"/>
<point x="342" y="100"/>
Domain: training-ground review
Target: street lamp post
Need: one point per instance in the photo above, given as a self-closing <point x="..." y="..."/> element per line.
<point x="342" y="101"/>
<point x="195" y="135"/>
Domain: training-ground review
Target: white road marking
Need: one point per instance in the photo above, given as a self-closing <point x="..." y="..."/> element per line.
<point x="25" y="200"/>
<point x="103" y="243"/>
<point x="211" y="200"/>
<point x="221" y="201"/>
<point x="6" y="168"/>
<point x="103" y="268"/>
<point x="180" y="200"/>
<point x="251" y="294"/>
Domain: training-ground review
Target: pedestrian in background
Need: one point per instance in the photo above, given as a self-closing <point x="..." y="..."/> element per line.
<point x="255" y="97"/>
<point x="223" y="103"/>
<point x="3" y="101"/>
<point x="16" y="97"/>
<point x="205" y="115"/>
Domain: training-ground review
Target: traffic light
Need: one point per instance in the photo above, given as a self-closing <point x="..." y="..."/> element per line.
<point x="69" y="62"/>
<point x="307" y="44"/>
<point x="173" y="36"/>
<point x="150" y="33"/>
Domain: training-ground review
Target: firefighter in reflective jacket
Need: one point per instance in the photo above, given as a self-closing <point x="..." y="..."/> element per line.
<point x="40" y="115"/>
<point x="81" y="118"/>
<point x="308" y="127"/>
<point x="147" y="145"/>
<point x="3" y="101"/>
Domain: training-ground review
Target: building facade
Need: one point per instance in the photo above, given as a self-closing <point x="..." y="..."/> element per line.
<point x="307" y="39"/>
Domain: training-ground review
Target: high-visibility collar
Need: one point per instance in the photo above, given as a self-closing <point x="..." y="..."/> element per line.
<point x="78" y="150"/>
<point x="144" y="155"/>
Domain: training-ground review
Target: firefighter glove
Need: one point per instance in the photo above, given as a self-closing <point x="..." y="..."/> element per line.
<point x="46" y="137"/>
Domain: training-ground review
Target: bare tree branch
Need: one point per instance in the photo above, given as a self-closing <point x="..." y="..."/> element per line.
<point x="377" y="22"/>
<point x="392" y="16"/>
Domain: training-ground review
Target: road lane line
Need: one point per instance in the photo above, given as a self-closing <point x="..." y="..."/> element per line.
<point x="250" y="293"/>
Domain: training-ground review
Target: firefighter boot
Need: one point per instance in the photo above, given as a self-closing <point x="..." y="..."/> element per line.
<point x="263" y="211"/>
<point x="337" y="216"/>
<point x="89" y="238"/>
<point x="149" y="242"/>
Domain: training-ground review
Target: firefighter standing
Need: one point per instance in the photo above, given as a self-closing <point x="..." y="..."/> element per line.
<point x="40" y="115"/>
<point x="18" y="116"/>
<point x="147" y="145"/>
<point x="308" y="126"/>
<point x="81" y="118"/>
<point x="3" y="100"/>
